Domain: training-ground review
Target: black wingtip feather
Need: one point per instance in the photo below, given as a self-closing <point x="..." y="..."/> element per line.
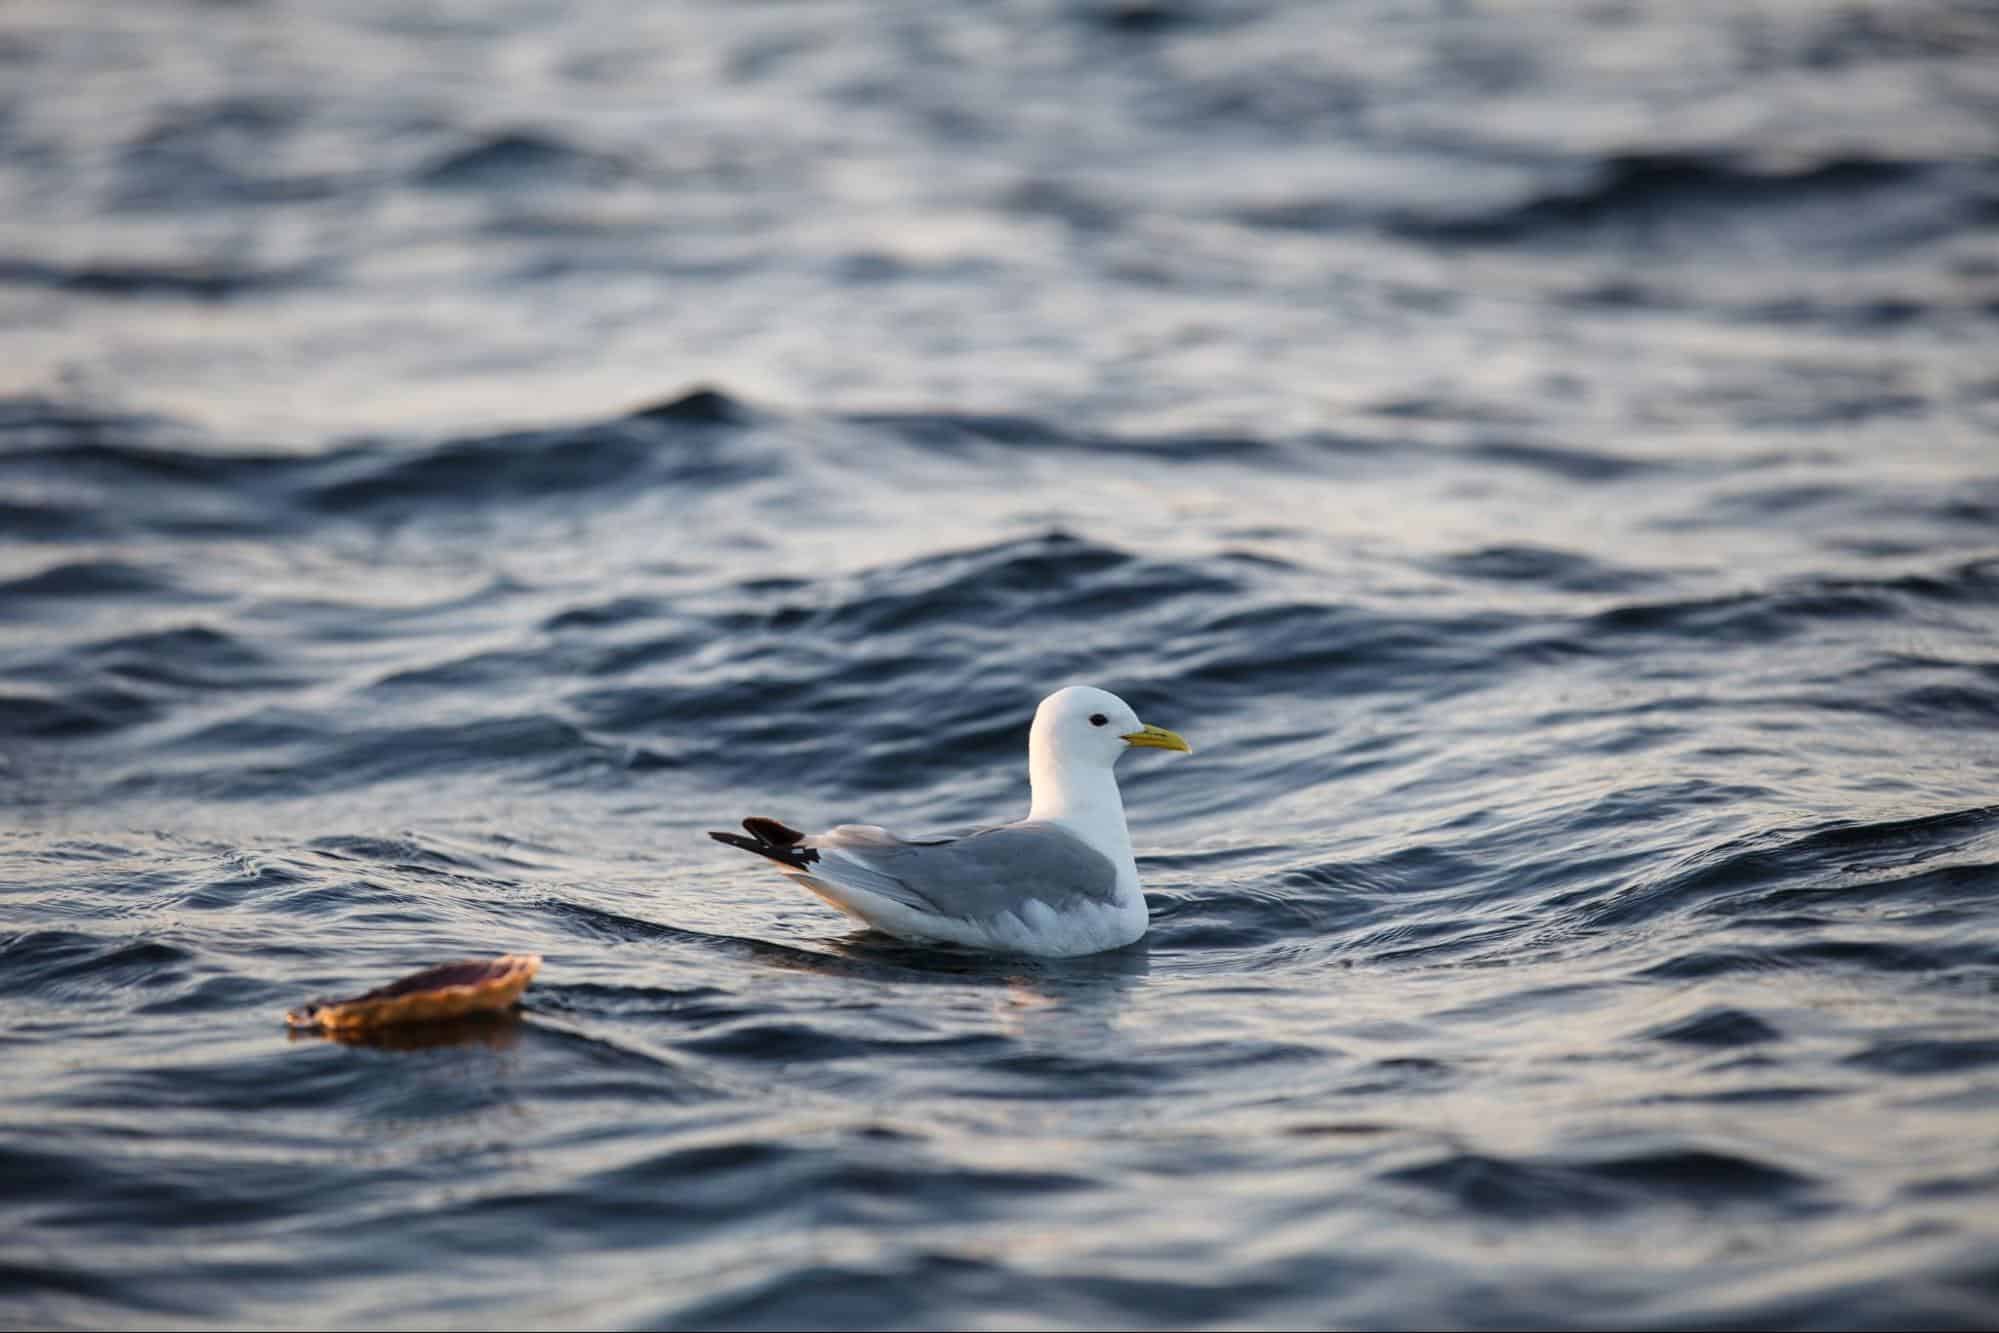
<point x="769" y="830"/>
<point x="772" y="839"/>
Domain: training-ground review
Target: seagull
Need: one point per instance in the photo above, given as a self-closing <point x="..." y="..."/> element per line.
<point x="1058" y="884"/>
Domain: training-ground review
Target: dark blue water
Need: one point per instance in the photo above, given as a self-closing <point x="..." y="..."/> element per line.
<point x="1545" y="457"/>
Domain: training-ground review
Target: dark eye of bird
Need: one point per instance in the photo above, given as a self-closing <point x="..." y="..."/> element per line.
<point x="1098" y="719"/>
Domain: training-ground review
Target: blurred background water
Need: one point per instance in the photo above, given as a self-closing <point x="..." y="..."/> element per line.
<point x="1541" y="454"/>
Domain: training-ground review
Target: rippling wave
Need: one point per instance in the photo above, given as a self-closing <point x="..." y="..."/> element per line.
<point x="1541" y="460"/>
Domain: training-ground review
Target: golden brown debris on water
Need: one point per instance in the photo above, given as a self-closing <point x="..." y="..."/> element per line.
<point x="489" y="1030"/>
<point x="446" y="991"/>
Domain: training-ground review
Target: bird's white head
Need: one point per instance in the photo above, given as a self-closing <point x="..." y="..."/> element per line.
<point x="1078" y="734"/>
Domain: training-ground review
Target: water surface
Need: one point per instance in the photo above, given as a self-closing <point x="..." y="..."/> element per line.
<point x="1541" y="456"/>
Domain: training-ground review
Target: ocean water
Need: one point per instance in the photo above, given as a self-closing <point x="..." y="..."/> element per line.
<point x="1544" y="456"/>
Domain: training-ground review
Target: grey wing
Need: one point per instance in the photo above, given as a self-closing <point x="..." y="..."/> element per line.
<point x="979" y="875"/>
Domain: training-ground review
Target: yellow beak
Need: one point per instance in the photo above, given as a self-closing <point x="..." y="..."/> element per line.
<point x="1158" y="738"/>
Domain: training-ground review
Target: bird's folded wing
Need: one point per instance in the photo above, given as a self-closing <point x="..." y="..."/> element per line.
<point x="977" y="876"/>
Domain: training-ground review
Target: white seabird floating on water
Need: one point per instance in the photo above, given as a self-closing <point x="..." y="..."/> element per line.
<point x="1059" y="883"/>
